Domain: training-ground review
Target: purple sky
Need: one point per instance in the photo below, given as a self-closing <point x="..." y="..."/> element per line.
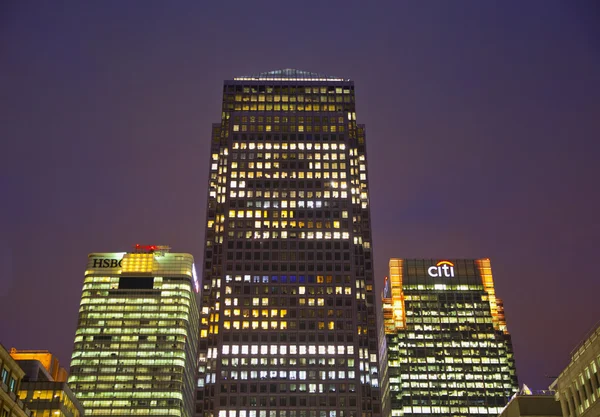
<point x="483" y="129"/>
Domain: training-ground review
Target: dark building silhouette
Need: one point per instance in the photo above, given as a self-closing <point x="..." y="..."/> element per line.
<point x="289" y="318"/>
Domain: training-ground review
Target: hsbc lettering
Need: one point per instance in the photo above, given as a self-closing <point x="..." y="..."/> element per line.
<point x="107" y="263"/>
<point x="442" y="269"/>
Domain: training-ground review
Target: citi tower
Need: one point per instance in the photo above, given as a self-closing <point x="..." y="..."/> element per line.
<point x="289" y="324"/>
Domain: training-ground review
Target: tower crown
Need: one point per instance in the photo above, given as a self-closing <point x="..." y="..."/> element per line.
<point x="289" y="74"/>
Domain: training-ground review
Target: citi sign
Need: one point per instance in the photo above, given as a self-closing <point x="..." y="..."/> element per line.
<point x="107" y="263"/>
<point x="442" y="269"/>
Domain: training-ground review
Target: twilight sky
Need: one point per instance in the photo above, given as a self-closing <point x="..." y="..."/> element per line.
<point x="483" y="132"/>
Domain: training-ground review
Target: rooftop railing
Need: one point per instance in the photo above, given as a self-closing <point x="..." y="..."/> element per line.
<point x="587" y="340"/>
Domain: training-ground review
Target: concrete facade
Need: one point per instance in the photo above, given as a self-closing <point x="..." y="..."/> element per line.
<point x="11" y="376"/>
<point x="578" y="386"/>
<point x="533" y="405"/>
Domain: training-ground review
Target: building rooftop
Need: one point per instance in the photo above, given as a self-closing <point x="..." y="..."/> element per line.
<point x="289" y="74"/>
<point x="587" y="341"/>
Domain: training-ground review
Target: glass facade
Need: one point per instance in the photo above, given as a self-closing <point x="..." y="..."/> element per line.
<point x="449" y="352"/>
<point x="136" y="341"/>
<point x="289" y="322"/>
<point x="49" y="399"/>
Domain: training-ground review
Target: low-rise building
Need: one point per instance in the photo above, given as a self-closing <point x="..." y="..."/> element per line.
<point x="11" y="377"/>
<point x="578" y="386"/>
<point x="50" y="399"/>
<point x="35" y="358"/>
<point x="528" y="403"/>
<point x="32" y="388"/>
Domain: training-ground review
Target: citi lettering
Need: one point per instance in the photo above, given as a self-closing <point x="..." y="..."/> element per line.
<point x="442" y="269"/>
<point x="107" y="263"/>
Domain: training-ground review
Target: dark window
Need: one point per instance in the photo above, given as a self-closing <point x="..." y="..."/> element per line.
<point x="137" y="283"/>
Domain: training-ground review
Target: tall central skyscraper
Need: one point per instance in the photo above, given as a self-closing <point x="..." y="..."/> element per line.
<point x="289" y="322"/>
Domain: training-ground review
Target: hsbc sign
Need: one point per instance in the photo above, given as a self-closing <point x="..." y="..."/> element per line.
<point x="442" y="269"/>
<point x="107" y="263"/>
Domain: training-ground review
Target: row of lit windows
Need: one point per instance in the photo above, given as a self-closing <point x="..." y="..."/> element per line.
<point x="338" y="362"/>
<point x="282" y="325"/>
<point x="283" y="313"/>
<point x="309" y="204"/>
<point x="293" y="175"/>
<point x="157" y="280"/>
<point x="467" y="385"/>
<point x="453" y="352"/>
<point x="329" y="184"/>
<point x="292" y="119"/>
<point x="130" y="304"/>
<point x="285" y="98"/>
<point x="142" y="296"/>
<point x="462" y="318"/>
<point x="285" y="194"/>
<point x="276" y="224"/>
<point x="126" y="362"/>
<point x="448" y="287"/>
<point x="293" y="350"/>
<point x="289" y="128"/>
<point x="278" y="173"/>
<point x="443" y="335"/>
<point x="303" y="141"/>
<point x="211" y="379"/>
<point x="284" y="279"/>
<point x="128" y="411"/>
<point x="284" y="171"/>
<point x="443" y="376"/>
<point x="125" y="323"/>
<point x="393" y="344"/>
<point x="492" y="393"/>
<point x="133" y="337"/>
<point x="327" y="193"/>
<point x="475" y="359"/>
<point x="152" y="375"/>
<point x="285" y="107"/>
<point x="136" y="316"/>
<point x="291" y="375"/>
<point x="126" y="373"/>
<point x="103" y="345"/>
<point x="282" y="174"/>
<point x="91" y="282"/>
<point x="285" y="235"/>
<point x="417" y="307"/>
<point x="138" y="353"/>
<point x="124" y="394"/>
<point x="446" y="297"/>
<point x="420" y="316"/>
<point x="292" y="156"/>
<point x="81" y="388"/>
<point x="315" y="204"/>
<point x="285" y="413"/>
<point x="264" y="301"/>
<point x="94" y="302"/>
<point x="127" y="330"/>
<point x="285" y="146"/>
<point x="454" y="411"/>
<point x="269" y="89"/>
<point x="167" y="283"/>
<point x="285" y="325"/>
<point x="429" y="364"/>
